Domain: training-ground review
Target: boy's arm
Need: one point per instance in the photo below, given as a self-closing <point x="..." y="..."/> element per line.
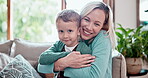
<point x="46" y="68"/>
<point x="52" y="54"/>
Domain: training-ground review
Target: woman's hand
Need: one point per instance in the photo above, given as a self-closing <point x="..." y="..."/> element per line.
<point x="74" y="60"/>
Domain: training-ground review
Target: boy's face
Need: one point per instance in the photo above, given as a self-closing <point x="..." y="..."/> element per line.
<point x="68" y="32"/>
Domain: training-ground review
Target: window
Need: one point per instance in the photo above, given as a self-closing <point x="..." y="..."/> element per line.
<point x="33" y="20"/>
<point x="77" y="5"/>
<point x="143" y="12"/>
<point x="3" y="20"/>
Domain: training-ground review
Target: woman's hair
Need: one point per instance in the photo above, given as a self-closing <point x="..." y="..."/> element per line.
<point x="108" y="23"/>
<point x="68" y="16"/>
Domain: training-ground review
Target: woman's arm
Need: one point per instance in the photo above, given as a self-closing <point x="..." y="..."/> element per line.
<point x="54" y="53"/>
<point x="74" y="60"/>
<point x="101" y="48"/>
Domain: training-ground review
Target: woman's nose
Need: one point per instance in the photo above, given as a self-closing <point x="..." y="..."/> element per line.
<point x="89" y="26"/>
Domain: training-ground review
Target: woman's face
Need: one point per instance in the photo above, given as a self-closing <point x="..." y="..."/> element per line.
<point x="92" y="23"/>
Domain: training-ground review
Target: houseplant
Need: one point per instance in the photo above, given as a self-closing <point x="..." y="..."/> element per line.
<point x="145" y="43"/>
<point x="130" y="44"/>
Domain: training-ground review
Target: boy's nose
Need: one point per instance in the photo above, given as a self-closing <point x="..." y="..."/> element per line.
<point x="65" y="35"/>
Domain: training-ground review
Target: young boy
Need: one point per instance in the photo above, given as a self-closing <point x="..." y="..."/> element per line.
<point x="67" y="23"/>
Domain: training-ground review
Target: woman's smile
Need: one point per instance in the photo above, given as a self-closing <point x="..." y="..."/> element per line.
<point x="86" y="32"/>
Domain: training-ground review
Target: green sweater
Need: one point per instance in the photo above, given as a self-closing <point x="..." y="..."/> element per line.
<point x="101" y="68"/>
<point x="54" y="53"/>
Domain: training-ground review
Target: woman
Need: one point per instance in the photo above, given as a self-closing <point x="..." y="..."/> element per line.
<point x="96" y="30"/>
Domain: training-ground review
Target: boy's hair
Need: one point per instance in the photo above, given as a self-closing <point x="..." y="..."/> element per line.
<point x="68" y="16"/>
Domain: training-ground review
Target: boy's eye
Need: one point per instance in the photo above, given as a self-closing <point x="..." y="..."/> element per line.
<point x="70" y="31"/>
<point x="97" y="24"/>
<point x="61" y="31"/>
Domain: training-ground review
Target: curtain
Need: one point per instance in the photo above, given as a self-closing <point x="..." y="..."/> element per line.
<point x="63" y="4"/>
<point x="111" y="3"/>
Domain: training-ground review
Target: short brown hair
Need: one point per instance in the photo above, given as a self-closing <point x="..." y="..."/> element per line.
<point x="68" y="16"/>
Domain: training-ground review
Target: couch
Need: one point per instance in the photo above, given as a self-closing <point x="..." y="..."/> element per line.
<point x="25" y="50"/>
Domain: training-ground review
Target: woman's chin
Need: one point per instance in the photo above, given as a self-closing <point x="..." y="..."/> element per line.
<point x="85" y="37"/>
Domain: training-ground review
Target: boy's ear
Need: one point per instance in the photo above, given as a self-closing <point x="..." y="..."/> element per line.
<point x="79" y="31"/>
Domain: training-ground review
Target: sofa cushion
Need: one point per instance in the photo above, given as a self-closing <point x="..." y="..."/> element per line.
<point x="5" y="47"/>
<point x="118" y="65"/>
<point x="19" y="68"/>
<point x="4" y="60"/>
<point x="30" y="50"/>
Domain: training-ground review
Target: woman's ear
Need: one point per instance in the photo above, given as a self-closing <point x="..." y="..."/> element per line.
<point x="105" y="27"/>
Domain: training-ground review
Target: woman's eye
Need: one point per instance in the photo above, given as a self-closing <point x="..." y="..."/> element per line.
<point x="86" y="19"/>
<point x="70" y="30"/>
<point x="60" y="31"/>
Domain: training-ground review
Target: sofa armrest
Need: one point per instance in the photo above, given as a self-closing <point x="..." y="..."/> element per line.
<point x="118" y="66"/>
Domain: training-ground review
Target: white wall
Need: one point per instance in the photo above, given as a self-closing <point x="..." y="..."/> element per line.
<point x="125" y="13"/>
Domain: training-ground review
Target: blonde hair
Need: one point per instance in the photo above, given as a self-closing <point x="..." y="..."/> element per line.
<point x="108" y="23"/>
